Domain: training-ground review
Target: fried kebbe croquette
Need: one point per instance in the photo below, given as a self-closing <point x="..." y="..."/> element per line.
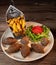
<point x="25" y="50"/>
<point x="44" y="41"/>
<point x="25" y="40"/>
<point x="37" y="48"/>
<point x="9" y="40"/>
<point x="14" y="48"/>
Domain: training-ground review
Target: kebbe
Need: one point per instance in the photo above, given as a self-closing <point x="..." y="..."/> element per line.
<point x="14" y="48"/>
<point x="9" y="40"/>
<point x="44" y="41"/>
<point x="25" y="50"/>
<point x="37" y="48"/>
<point x="25" y="40"/>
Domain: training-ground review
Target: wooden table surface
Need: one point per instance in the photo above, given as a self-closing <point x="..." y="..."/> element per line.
<point x="43" y="14"/>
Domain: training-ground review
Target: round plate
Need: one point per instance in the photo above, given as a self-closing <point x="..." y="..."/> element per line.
<point x="33" y="56"/>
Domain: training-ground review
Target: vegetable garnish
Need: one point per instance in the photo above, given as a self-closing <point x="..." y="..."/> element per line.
<point x="36" y="33"/>
<point x="37" y="29"/>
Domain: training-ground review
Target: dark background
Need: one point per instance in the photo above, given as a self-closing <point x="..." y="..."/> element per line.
<point x="27" y="2"/>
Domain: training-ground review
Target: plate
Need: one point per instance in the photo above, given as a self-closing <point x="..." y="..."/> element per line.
<point x="33" y="56"/>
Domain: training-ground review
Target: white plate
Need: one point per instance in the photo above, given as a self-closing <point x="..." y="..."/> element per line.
<point x="33" y="56"/>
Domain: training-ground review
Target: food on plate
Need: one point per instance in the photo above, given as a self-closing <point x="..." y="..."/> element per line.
<point x="45" y="41"/>
<point x="9" y="40"/>
<point x="38" y="48"/>
<point x="36" y="33"/>
<point x="25" y="40"/>
<point x="17" y="25"/>
<point x="37" y="29"/>
<point x="35" y="38"/>
<point x="25" y="50"/>
<point x="14" y="47"/>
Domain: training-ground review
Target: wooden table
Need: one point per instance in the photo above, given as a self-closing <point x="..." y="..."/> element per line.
<point x="45" y="14"/>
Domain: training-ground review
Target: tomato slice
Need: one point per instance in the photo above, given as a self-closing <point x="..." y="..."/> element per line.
<point x="37" y="29"/>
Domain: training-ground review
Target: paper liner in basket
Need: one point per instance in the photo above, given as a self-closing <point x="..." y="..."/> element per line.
<point x="13" y="12"/>
<point x="13" y="15"/>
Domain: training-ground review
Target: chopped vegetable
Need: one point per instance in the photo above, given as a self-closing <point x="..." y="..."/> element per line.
<point x="37" y="29"/>
<point x="36" y="33"/>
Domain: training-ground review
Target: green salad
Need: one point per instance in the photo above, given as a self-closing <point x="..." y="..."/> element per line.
<point x="41" y="32"/>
